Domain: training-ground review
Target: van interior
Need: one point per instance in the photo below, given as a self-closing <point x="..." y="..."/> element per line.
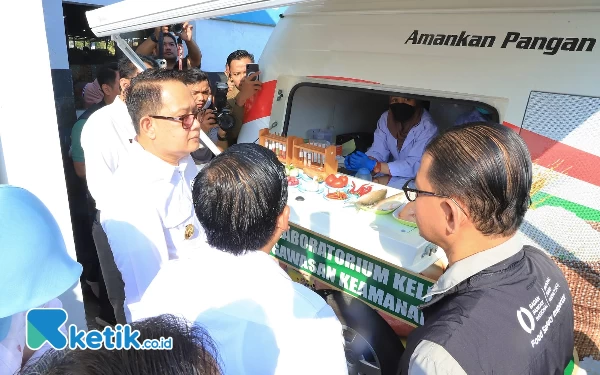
<point x="346" y="113"/>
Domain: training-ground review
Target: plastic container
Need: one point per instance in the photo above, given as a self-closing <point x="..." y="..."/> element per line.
<point x="364" y="174"/>
<point x="321" y="134"/>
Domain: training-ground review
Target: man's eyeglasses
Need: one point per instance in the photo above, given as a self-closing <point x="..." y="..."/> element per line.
<point x="412" y="194"/>
<point x="187" y="121"/>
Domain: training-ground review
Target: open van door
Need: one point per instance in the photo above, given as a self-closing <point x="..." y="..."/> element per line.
<point x="134" y="15"/>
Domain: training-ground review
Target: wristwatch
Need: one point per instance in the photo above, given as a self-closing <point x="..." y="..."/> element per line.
<point x="377" y="168"/>
<point x="153" y="38"/>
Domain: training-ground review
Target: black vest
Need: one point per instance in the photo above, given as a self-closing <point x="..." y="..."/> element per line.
<point x="515" y="317"/>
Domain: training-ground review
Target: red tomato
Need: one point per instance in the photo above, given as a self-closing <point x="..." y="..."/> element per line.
<point x="344" y="180"/>
<point x="337" y="183"/>
<point x="330" y="179"/>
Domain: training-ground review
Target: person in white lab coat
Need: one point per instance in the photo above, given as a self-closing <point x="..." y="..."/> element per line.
<point x="150" y="218"/>
<point x="262" y="322"/>
<point x="35" y="269"/>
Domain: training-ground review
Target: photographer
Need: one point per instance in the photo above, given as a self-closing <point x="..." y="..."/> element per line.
<point x="241" y="88"/>
<point x="184" y="32"/>
<point x="220" y="117"/>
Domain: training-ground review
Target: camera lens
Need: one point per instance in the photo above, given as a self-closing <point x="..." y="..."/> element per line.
<point x="225" y="121"/>
<point x="177" y="28"/>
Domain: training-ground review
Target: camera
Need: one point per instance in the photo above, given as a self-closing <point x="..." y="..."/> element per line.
<point x="162" y="63"/>
<point x="222" y="112"/>
<point x="176" y="28"/>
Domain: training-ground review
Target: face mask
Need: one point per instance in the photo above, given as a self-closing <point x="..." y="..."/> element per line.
<point x="402" y="112"/>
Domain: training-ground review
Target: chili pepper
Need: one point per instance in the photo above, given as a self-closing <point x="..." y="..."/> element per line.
<point x="353" y="190"/>
<point x="364" y="189"/>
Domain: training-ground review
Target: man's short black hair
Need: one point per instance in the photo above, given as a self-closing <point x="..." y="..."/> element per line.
<point x="144" y="95"/>
<point x="169" y="35"/>
<point x="127" y="69"/>
<point x="193" y="352"/>
<point x="107" y="74"/>
<point x="238" y="55"/>
<point x="194" y="75"/>
<point x="487" y="167"/>
<point x="238" y="197"/>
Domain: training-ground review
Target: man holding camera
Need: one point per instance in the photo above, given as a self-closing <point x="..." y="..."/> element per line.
<point x="219" y="115"/>
<point x="242" y="87"/>
<point x="183" y="32"/>
<point x="150" y="218"/>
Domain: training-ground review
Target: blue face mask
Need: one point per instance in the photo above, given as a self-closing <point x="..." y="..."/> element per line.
<point x="483" y="111"/>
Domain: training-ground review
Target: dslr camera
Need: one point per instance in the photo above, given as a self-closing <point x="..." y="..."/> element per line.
<point x="176" y="28"/>
<point x="221" y="110"/>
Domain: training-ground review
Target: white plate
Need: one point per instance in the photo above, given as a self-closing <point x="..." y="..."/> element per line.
<point x="303" y="190"/>
<point x="336" y="200"/>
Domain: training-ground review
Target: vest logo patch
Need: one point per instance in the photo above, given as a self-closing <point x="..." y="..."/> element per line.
<point x="524" y="315"/>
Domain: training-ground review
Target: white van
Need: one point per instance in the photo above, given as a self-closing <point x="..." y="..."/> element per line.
<point x="533" y="64"/>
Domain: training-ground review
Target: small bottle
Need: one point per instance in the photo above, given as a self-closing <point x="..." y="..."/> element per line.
<point x="283" y="152"/>
<point x="364" y="174"/>
<point x="310" y="159"/>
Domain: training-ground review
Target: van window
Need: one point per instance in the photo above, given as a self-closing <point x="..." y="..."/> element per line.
<point x="350" y="111"/>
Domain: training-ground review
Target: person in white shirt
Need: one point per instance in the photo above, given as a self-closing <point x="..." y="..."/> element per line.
<point x="262" y="322"/>
<point x="35" y="269"/>
<point x="150" y="218"/>
<point x="105" y="140"/>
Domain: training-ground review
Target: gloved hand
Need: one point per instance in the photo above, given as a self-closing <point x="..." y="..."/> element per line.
<point x="358" y="160"/>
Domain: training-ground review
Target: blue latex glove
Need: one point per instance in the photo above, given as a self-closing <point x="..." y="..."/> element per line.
<point x="358" y="160"/>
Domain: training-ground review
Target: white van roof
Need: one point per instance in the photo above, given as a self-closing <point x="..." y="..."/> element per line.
<point x="133" y="15"/>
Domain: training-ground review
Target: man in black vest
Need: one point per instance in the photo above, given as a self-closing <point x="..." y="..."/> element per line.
<point x="500" y="307"/>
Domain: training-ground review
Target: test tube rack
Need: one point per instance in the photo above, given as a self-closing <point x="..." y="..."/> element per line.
<point x="278" y="144"/>
<point x="314" y="160"/>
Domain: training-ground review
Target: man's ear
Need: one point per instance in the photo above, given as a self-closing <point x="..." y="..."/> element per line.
<point x="124" y="84"/>
<point x="105" y="89"/>
<point x="454" y="216"/>
<point x="283" y="221"/>
<point x="147" y="127"/>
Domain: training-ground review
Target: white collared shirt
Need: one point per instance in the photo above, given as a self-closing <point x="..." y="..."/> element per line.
<point x="431" y="358"/>
<point x="105" y="139"/>
<point x="261" y="321"/>
<point x="147" y="217"/>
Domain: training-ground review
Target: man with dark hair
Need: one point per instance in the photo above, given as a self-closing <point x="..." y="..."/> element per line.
<point x="108" y="80"/>
<point x="500" y="307"/>
<point x="170" y="46"/>
<point x="192" y="352"/>
<point x="105" y="140"/>
<point x="199" y="84"/>
<point x="150" y="218"/>
<point x="402" y="133"/>
<point x="241" y="88"/>
<point x="259" y="318"/>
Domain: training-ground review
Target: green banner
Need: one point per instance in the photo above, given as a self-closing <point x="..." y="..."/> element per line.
<point x="376" y="283"/>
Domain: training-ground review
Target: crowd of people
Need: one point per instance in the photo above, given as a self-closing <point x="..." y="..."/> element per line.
<point x="186" y="253"/>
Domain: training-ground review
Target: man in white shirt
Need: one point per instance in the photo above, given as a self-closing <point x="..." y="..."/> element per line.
<point x="105" y="140"/>
<point x="262" y="322"/>
<point x="150" y="217"/>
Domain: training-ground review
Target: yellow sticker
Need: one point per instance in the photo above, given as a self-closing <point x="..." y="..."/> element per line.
<point x="189" y="231"/>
